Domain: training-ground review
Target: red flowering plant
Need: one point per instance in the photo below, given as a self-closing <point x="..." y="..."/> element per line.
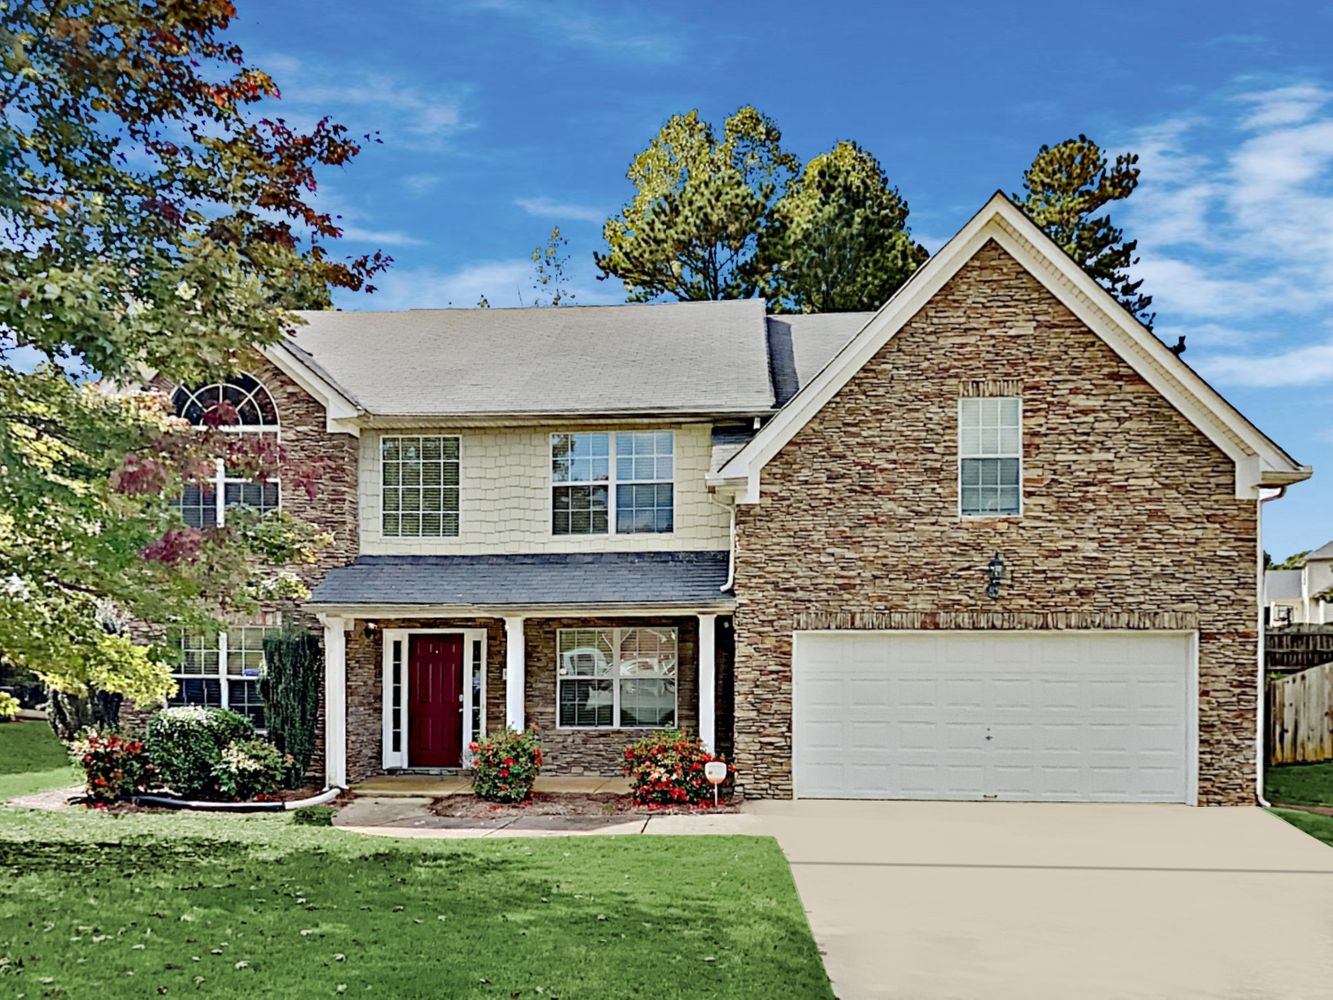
<point x="114" y="767"/>
<point x="505" y="765"/>
<point x="667" y="768"/>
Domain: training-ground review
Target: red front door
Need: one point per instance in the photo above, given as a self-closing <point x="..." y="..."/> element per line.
<point x="435" y="700"/>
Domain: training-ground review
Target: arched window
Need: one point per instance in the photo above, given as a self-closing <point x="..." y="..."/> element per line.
<point x="249" y="405"/>
<point x="241" y="405"/>
<point x="224" y="668"/>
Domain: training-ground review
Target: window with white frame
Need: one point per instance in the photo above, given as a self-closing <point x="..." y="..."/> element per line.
<point x="990" y="441"/>
<point x="419" y="486"/>
<point x="629" y="472"/>
<point x="238" y="405"/>
<point x="616" y="678"/>
<point x="223" y="670"/>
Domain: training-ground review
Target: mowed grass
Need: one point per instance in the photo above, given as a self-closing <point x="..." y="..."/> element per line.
<point x="33" y="760"/>
<point x="1319" y="827"/>
<point x="1300" y="784"/>
<point x="184" y="904"/>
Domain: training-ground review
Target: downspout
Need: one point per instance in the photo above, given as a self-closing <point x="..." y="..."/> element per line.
<point x="731" y="541"/>
<point x="1261" y="716"/>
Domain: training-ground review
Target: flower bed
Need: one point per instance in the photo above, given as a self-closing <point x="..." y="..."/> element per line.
<point x="667" y="769"/>
<point x="505" y="765"/>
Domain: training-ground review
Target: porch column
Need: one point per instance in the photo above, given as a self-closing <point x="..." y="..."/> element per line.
<point x="708" y="681"/>
<point x="335" y="701"/>
<point x="514" y="660"/>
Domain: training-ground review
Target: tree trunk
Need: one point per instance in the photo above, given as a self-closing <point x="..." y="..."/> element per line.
<point x="70" y="713"/>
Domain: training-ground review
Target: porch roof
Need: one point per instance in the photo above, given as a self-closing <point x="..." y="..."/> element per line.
<point x="597" y="580"/>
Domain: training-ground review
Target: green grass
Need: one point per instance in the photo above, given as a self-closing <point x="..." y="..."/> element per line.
<point x="1300" y="784"/>
<point x="147" y="904"/>
<point x="1319" y="827"/>
<point x="32" y="760"/>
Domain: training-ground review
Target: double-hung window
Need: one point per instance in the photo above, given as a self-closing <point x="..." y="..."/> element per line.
<point x="223" y="670"/>
<point x="240" y="405"/>
<point x="616" y="678"/>
<point x="596" y="473"/>
<point x="990" y="442"/>
<point x="419" y="479"/>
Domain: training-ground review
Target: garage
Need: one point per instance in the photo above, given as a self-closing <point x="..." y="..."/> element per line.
<point x="1076" y="716"/>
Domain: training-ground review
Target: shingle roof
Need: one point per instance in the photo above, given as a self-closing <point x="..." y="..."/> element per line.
<point x="597" y="580"/>
<point x="1323" y="552"/>
<point x="683" y="357"/>
<point x="800" y="344"/>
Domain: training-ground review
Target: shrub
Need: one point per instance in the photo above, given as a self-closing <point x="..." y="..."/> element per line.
<point x="667" y="768"/>
<point x="186" y="744"/>
<point x="293" y="671"/>
<point x="505" y="765"/>
<point x="9" y="706"/>
<point x="113" y="767"/>
<point x="314" y="816"/>
<point x="250" y="769"/>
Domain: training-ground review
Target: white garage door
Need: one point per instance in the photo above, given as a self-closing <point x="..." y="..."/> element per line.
<point x="1054" y="716"/>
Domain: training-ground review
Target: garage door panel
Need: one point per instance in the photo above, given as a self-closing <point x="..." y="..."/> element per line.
<point x="1039" y="716"/>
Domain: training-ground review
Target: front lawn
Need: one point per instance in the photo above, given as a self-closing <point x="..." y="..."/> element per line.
<point x="33" y="760"/>
<point x="1317" y="826"/>
<point x="1300" y="784"/>
<point x="151" y="904"/>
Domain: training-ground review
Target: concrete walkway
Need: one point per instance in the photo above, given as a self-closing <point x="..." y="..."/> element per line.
<point x="939" y="900"/>
<point x="441" y="785"/>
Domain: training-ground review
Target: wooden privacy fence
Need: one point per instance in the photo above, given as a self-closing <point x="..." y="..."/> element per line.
<point x="1300" y="717"/>
<point x="1291" y="649"/>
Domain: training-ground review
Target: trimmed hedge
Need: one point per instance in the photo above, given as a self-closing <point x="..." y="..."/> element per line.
<point x="186" y="744"/>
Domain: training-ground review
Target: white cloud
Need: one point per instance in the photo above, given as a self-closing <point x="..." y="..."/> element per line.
<point x="421" y="184"/>
<point x="1309" y="365"/>
<point x="504" y="283"/>
<point x="549" y="208"/>
<point x="1234" y="218"/>
<point x="636" y="33"/>
<point x="381" y="237"/>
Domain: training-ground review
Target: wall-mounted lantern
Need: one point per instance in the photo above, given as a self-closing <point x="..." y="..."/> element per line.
<point x="994" y="574"/>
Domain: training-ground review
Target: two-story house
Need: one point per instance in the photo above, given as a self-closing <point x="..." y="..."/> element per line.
<point x="994" y="540"/>
<point x="1304" y="595"/>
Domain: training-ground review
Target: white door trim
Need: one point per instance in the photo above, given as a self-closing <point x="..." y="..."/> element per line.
<point x="1192" y="683"/>
<point x="388" y="757"/>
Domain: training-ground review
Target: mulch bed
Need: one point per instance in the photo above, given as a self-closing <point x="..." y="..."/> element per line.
<point x="564" y="804"/>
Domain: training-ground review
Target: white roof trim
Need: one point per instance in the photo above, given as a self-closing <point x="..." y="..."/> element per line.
<point x="341" y="412"/>
<point x="1259" y="461"/>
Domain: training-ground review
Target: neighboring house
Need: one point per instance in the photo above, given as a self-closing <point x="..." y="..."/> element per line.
<point x="1302" y="596"/>
<point x="992" y="541"/>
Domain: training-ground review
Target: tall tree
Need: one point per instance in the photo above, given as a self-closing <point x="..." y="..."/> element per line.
<point x="549" y="279"/>
<point x="152" y="222"/>
<point x="839" y="240"/>
<point x="1065" y="188"/>
<point x="700" y="205"/>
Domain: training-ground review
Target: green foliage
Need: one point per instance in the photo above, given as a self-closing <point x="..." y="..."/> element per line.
<point x="667" y="768"/>
<point x="548" y="272"/>
<point x="9" y="706"/>
<point x="839" y="240"/>
<point x="1294" y="561"/>
<point x="700" y="205"/>
<point x="153" y="221"/>
<point x="1065" y="188"/>
<point x="250" y="770"/>
<point x="314" y="816"/>
<point x="294" y="669"/>
<point x="114" y="767"/>
<point x="186" y="745"/>
<point x="505" y="765"/>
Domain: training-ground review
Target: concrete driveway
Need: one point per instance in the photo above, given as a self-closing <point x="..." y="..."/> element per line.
<point x="984" y="901"/>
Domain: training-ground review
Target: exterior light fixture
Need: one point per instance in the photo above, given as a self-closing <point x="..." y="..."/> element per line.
<point x="369" y="630"/>
<point x="994" y="574"/>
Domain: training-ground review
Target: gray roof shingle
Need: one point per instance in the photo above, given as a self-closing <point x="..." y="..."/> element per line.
<point x="680" y="357"/>
<point x="595" y="580"/>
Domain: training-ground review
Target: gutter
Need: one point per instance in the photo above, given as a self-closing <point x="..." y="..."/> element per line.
<point x="1261" y="715"/>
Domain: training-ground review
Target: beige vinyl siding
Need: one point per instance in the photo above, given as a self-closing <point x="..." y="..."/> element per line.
<point x="505" y="500"/>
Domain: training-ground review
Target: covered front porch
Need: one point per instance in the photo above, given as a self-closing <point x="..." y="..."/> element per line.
<point x="410" y="684"/>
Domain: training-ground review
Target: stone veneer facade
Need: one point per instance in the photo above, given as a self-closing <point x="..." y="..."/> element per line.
<point x="1130" y="518"/>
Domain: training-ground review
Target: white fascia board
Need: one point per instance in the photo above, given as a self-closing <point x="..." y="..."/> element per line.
<point x="1003" y="222"/>
<point x="341" y="415"/>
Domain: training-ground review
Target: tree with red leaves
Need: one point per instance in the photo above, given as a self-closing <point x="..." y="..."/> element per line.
<point x="153" y="222"/>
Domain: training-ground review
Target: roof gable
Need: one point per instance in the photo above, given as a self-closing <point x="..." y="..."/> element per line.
<point x="1259" y="461"/>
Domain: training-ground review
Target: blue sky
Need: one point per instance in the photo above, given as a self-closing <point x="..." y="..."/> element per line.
<point x="501" y="118"/>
